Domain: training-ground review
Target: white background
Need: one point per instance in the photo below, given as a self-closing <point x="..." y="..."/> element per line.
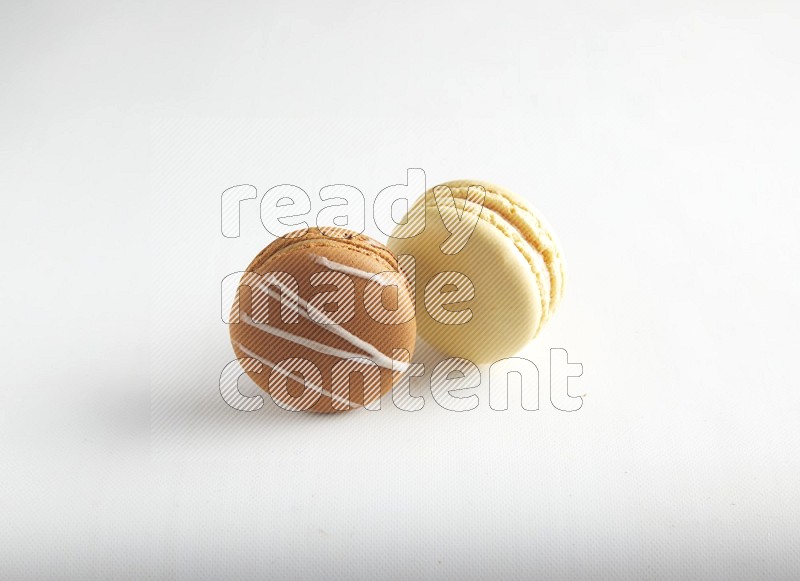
<point x="659" y="138"/>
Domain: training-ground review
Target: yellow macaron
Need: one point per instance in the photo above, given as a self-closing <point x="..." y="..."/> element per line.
<point x="504" y="278"/>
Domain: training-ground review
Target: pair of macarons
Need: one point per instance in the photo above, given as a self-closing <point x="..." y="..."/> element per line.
<point x="328" y="319"/>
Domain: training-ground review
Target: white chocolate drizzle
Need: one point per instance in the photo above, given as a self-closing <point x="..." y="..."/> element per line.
<point x="339" y="267"/>
<point x="327" y="324"/>
<point x="280" y="370"/>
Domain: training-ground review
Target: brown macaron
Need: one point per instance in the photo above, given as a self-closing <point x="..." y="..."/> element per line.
<point x="323" y="320"/>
